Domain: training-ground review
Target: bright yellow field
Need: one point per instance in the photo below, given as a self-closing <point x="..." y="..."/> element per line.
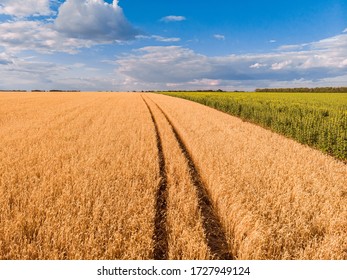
<point x="145" y="176"/>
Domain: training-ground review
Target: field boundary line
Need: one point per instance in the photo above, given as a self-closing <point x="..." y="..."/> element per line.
<point x="214" y="233"/>
<point x="160" y="236"/>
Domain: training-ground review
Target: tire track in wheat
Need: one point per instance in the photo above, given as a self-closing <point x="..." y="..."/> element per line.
<point x="160" y="237"/>
<point x="214" y="233"/>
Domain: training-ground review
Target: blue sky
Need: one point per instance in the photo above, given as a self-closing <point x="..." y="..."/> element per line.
<point x="143" y="45"/>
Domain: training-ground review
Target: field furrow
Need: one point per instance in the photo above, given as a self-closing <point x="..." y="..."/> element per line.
<point x="160" y="228"/>
<point x="186" y="238"/>
<point x="213" y="230"/>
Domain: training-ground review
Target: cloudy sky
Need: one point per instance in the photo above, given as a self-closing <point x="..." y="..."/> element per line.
<point x="165" y="44"/>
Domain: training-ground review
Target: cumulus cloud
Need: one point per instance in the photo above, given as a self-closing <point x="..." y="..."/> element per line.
<point x="94" y="20"/>
<point x="24" y="8"/>
<point x="219" y="37"/>
<point x="37" y="36"/>
<point x="174" y="65"/>
<point x="80" y="24"/>
<point x="173" y="18"/>
<point x="165" y="64"/>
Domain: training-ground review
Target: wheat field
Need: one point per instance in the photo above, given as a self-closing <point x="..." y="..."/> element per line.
<point x="146" y="176"/>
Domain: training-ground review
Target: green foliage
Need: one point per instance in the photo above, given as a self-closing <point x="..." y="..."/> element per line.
<point x="315" y="119"/>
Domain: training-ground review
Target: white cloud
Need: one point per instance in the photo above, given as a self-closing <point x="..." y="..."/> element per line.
<point x="257" y="65"/>
<point x="344" y="31"/>
<point x="163" y="67"/>
<point x="281" y="65"/>
<point x="80" y="24"/>
<point x="163" y="64"/>
<point x="205" y="82"/>
<point x="29" y="74"/>
<point x="24" y="8"/>
<point x="159" y="38"/>
<point x="5" y="59"/>
<point x="173" y="18"/>
<point x="33" y="73"/>
<point x="219" y="37"/>
<point x="292" y="47"/>
<point x="36" y="36"/>
<point x="173" y="65"/>
<point x="343" y="63"/>
<point x="272" y="41"/>
<point x="338" y="42"/>
<point x="94" y="20"/>
<point x="166" y="40"/>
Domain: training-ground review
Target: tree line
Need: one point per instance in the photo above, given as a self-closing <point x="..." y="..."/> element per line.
<point x="305" y="89"/>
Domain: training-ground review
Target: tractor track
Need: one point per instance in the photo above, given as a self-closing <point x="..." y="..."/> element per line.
<point x="214" y="233"/>
<point x="160" y="236"/>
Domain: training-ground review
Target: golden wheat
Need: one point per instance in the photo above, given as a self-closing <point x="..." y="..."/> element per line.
<point x="277" y="199"/>
<point x="73" y="183"/>
<point x="80" y="173"/>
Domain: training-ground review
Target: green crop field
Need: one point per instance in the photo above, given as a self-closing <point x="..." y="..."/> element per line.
<point x="315" y="119"/>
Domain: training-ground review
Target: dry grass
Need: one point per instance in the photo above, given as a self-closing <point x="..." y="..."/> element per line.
<point x="277" y="199"/>
<point x="79" y="174"/>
